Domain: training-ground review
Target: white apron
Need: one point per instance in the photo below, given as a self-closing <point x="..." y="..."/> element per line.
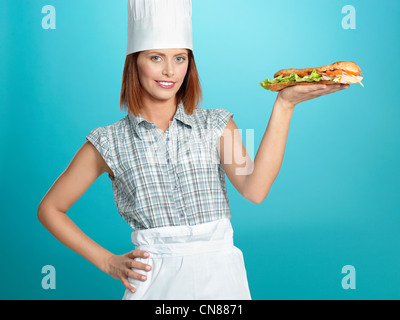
<point x="190" y="263"/>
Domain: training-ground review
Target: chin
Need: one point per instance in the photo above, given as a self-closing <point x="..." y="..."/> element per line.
<point x="165" y="96"/>
<point x="162" y="99"/>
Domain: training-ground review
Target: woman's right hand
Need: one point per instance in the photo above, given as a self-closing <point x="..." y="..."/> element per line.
<point x="119" y="267"/>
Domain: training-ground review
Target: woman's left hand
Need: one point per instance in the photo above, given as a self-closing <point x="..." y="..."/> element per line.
<point x="293" y="95"/>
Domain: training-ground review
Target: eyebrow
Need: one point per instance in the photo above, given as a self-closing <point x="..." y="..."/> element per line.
<point x="161" y="54"/>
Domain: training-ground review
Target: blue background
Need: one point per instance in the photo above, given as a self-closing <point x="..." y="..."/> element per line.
<point x="334" y="202"/>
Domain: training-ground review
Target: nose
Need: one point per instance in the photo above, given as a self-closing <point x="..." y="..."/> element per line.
<point x="168" y="69"/>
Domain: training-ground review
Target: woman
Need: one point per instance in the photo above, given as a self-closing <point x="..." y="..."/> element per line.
<point x="167" y="161"/>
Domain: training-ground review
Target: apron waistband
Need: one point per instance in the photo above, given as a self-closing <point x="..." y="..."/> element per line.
<point x="182" y="249"/>
<point x="185" y="240"/>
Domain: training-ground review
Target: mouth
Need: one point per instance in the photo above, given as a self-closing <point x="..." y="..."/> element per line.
<point x="166" y="84"/>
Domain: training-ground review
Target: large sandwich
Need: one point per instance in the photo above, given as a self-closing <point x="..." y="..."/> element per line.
<point x="338" y="72"/>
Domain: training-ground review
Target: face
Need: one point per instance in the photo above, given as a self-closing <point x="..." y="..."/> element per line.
<point x="161" y="72"/>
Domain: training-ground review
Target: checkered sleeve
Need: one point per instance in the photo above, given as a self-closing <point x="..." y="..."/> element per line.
<point x="220" y="119"/>
<point x="98" y="137"/>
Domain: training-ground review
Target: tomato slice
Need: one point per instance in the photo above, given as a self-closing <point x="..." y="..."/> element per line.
<point x="352" y="73"/>
<point x="334" y="73"/>
<point x="340" y="72"/>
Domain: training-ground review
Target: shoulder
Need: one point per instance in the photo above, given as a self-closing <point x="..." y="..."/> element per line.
<point x="213" y="116"/>
<point x="107" y="138"/>
<point x="112" y="132"/>
<point x="214" y="119"/>
<point x="118" y="126"/>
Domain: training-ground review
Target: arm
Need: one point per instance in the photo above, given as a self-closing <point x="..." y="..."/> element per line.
<point x="259" y="176"/>
<point x="269" y="157"/>
<point x="253" y="180"/>
<point x="86" y="166"/>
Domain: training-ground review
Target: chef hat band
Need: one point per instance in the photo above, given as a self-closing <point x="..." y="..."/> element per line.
<point x="159" y="24"/>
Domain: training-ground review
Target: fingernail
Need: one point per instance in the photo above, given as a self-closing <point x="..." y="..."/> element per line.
<point x="143" y="277"/>
<point x="148" y="268"/>
<point x="146" y="254"/>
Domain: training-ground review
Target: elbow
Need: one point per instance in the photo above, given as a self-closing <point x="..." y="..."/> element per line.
<point x="40" y="214"/>
<point x="46" y="211"/>
<point x="256" y="199"/>
<point x="259" y="200"/>
<point x="256" y="194"/>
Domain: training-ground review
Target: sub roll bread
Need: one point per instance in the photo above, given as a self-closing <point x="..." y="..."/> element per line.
<point x="347" y="72"/>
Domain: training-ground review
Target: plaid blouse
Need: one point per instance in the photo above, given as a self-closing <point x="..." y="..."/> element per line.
<point x="173" y="178"/>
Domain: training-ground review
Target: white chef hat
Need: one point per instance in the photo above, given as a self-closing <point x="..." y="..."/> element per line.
<point x="159" y="24"/>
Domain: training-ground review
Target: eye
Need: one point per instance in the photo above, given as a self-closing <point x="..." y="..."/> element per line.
<point x="183" y="59"/>
<point x="152" y="58"/>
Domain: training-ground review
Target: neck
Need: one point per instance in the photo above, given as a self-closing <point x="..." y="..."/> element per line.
<point x="158" y="112"/>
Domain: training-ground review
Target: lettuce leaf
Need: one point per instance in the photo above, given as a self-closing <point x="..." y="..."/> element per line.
<point x="314" y="76"/>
